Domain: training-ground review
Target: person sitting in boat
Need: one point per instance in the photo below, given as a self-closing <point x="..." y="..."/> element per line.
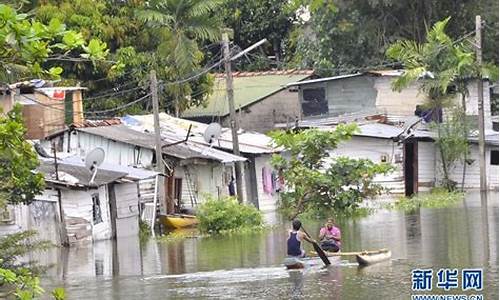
<point x="329" y="237"/>
<point x="295" y="238"/>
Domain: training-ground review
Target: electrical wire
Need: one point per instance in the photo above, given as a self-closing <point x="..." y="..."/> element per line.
<point x="119" y="107"/>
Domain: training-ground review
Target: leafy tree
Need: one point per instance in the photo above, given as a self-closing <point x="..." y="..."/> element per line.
<point x="180" y="24"/>
<point x="26" y="43"/>
<point x="318" y="181"/>
<point x="252" y="21"/>
<point x="18" y="183"/>
<point x="347" y="36"/>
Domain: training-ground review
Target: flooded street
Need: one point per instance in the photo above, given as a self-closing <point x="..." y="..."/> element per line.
<point x="249" y="266"/>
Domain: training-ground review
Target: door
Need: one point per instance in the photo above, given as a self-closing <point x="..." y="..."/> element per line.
<point x="411" y="167"/>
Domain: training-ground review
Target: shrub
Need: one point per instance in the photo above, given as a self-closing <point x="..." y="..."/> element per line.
<point x="227" y="214"/>
<point x="437" y="198"/>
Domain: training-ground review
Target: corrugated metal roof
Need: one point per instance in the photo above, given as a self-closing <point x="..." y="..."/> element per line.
<point x="78" y="172"/>
<point x="132" y="173"/>
<point x="249" y="142"/>
<point x="266" y="73"/>
<point x="128" y="135"/>
<point x="393" y="73"/>
<point x="97" y="123"/>
<point x="324" y="79"/>
<point x="378" y="130"/>
<point x="248" y="89"/>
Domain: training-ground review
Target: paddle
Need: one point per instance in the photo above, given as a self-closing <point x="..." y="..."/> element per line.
<point x="318" y="250"/>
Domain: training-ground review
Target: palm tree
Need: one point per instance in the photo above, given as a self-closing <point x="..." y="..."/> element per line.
<point x="438" y="65"/>
<point x="180" y="25"/>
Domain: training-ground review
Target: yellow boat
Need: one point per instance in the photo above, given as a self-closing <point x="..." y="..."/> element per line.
<point x="178" y="221"/>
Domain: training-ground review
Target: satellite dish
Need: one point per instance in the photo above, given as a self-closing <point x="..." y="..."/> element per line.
<point x="93" y="160"/>
<point x="212" y="132"/>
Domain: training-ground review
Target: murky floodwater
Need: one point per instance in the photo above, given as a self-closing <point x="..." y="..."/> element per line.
<point x="249" y="266"/>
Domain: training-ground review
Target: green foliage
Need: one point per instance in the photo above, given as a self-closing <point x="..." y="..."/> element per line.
<point x="181" y="24"/>
<point x="452" y="142"/>
<point x="22" y="284"/>
<point x="347" y="36"/>
<point x="18" y="182"/>
<point x="270" y="19"/>
<point x="437" y="198"/>
<point x="227" y="214"/>
<point x="25" y="44"/>
<point x="59" y="294"/>
<point x="16" y="245"/>
<point x="144" y="232"/>
<point x="318" y="181"/>
<point x="442" y="68"/>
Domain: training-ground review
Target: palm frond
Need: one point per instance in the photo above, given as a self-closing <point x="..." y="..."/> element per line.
<point x="203" y="28"/>
<point x="154" y="17"/>
<point x="201" y="8"/>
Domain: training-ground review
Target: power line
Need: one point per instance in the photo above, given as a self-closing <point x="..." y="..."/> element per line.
<point x="114" y="93"/>
<point x="119" y="107"/>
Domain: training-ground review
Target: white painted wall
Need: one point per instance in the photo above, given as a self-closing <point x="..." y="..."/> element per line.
<point x="78" y="203"/>
<point x="426" y="165"/>
<point x="81" y="143"/>
<point x="127" y="206"/>
<point x="373" y="149"/>
<point x="41" y="214"/>
<point x="472" y="180"/>
<point x="267" y="202"/>
<point x="396" y="103"/>
<point x="206" y="178"/>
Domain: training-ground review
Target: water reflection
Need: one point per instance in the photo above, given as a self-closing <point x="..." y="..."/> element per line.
<point x="249" y="266"/>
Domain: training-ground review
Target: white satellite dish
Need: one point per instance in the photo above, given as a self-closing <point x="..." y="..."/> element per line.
<point x="212" y="132"/>
<point x="93" y="160"/>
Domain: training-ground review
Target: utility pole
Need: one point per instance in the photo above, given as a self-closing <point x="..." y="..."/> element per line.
<point x="63" y="232"/>
<point x="480" y="103"/>
<point x="232" y="115"/>
<point x="160" y="167"/>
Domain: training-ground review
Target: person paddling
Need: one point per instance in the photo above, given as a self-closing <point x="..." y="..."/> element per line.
<point x="295" y="238"/>
<point x="329" y="237"/>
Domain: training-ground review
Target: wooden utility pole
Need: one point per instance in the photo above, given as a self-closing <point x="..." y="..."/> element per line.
<point x="480" y="103"/>
<point x="160" y="167"/>
<point x="232" y="115"/>
<point x="63" y="232"/>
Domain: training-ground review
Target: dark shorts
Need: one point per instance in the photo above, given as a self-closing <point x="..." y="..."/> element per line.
<point x="330" y="246"/>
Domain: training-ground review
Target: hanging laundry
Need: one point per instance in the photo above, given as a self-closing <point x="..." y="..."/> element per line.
<point x="267" y="181"/>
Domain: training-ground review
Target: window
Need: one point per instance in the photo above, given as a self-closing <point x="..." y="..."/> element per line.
<point x="96" y="209"/>
<point x="314" y="102"/>
<point x="494" y="157"/>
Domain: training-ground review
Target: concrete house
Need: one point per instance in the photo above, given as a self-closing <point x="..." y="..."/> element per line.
<point x="370" y="93"/>
<point x="261" y="99"/>
<point x="261" y="186"/>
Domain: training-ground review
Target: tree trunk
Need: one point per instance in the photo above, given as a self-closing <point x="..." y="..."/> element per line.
<point x="443" y="160"/>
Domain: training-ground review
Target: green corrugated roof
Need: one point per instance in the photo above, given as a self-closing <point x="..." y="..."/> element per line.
<point x="247" y="90"/>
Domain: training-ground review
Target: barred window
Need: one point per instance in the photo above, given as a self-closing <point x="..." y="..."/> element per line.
<point x="96" y="209"/>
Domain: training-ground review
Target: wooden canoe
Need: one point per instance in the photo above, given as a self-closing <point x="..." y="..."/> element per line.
<point x="179" y="221"/>
<point x="293" y="263"/>
<point x="366" y="257"/>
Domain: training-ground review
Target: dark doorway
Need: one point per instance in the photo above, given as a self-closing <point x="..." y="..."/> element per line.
<point x="411" y="167"/>
<point x="178" y="192"/>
